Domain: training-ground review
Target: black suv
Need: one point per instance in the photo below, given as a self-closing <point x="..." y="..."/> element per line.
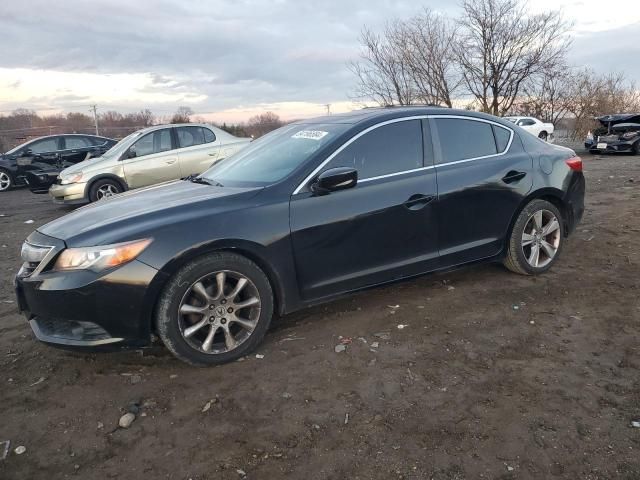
<point x="38" y="162"/>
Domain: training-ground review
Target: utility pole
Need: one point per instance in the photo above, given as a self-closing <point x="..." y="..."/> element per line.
<point x="94" y="109"/>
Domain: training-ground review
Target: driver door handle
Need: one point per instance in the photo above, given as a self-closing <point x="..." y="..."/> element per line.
<point x="171" y="162"/>
<point x="513" y="176"/>
<point x="418" y="201"/>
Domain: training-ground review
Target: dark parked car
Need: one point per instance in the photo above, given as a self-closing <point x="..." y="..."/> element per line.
<point x="314" y="210"/>
<point x="38" y="162"/>
<point x="617" y="133"/>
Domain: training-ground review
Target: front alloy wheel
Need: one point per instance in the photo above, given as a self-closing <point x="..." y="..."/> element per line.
<point x="5" y="181"/>
<point x="219" y="312"/>
<point x="215" y="309"/>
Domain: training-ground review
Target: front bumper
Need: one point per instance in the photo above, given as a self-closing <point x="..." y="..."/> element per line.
<point x="41" y="181"/>
<point x="71" y="194"/>
<point x="86" y="310"/>
<point x="613" y="147"/>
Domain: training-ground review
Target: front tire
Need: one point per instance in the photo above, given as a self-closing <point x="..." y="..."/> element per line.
<point x="104" y="188"/>
<point x="543" y="136"/>
<point x="536" y="239"/>
<point x="215" y="309"/>
<point x="6" y="180"/>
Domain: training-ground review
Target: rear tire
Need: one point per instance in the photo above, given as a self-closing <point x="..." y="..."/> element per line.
<point x="104" y="188"/>
<point x="215" y="309"/>
<point x="543" y="136"/>
<point x="536" y="239"/>
<point x="6" y="180"/>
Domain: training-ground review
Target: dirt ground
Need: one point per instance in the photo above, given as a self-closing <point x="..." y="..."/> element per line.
<point x="494" y="375"/>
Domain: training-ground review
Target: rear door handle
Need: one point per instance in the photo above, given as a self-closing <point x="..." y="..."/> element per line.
<point x="513" y="176"/>
<point x="171" y="162"/>
<point x="418" y="201"/>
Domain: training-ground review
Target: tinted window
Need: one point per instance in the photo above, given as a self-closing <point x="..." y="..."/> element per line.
<point x="526" y="122"/>
<point x="502" y="137"/>
<point x="44" y="146"/>
<point x="392" y="148"/>
<point x="97" y="140"/>
<point x="154" y="142"/>
<point x="209" y="136"/>
<point x="76" y="142"/>
<point x="463" y="139"/>
<point x="189" y="136"/>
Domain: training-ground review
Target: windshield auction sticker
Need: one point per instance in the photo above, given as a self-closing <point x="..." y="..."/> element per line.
<point x="310" y="134"/>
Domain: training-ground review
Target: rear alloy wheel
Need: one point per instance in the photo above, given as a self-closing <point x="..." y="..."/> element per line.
<point x="5" y="181"/>
<point x="543" y="136"/>
<point x="215" y="309"/>
<point x="104" y="188"/>
<point x="536" y="239"/>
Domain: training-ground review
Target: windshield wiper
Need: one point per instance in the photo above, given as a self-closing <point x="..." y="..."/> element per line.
<point x="195" y="178"/>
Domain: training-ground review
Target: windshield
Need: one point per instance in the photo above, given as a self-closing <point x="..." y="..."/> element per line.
<point x="121" y="146"/>
<point x="274" y="156"/>
<point x="511" y="119"/>
<point x="15" y="149"/>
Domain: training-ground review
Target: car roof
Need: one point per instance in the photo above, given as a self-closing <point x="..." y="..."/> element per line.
<point x="389" y="113"/>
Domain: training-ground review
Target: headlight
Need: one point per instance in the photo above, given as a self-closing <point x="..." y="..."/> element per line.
<point x="71" y="179"/>
<point x="628" y="135"/>
<point x="100" y="257"/>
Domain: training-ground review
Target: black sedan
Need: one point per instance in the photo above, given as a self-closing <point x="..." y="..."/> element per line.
<point x="309" y="212"/>
<point x="38" y="162"/>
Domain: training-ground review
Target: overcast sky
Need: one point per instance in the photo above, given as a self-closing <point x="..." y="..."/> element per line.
<point x="230" y="59"/>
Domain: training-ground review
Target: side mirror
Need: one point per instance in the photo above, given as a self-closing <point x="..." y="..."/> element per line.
<point x="335" y="179"/>
<point x="131" y="153"/>
<point x="27" y="153"/>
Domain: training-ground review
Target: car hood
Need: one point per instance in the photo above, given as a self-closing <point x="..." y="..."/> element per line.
<point x="129" y="215"/>
<point x="93" y="163"/>
<point x="607" y="120"/>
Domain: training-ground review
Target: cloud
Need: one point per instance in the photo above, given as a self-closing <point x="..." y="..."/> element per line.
<point x="217" y="55"/>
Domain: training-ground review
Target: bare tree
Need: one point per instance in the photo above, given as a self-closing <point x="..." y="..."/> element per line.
<point x="383" y="73"/>
<point x="411" y="61"/>
<point x="546" y="95"/>
<point x="429" y="54"/>
<point x="182" y="115"/>
<point x="263" y="123"/>
<point x="501" y="46"/>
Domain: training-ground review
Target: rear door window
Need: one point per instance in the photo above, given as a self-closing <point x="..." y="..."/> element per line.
<point x="392" y="148"/>
<point x="462" y="139"/>
<point x="190" y="136"/>
<point x="72" y="143"/>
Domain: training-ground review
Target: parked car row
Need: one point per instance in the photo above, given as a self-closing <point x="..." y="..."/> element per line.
<point x="39" y="161"/>
<point x="312" y="211"/>
<point x="76" y="169"/>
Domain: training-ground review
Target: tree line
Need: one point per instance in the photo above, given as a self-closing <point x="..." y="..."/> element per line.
<point x="24" y="124"/>
<point x="495" y="57"/>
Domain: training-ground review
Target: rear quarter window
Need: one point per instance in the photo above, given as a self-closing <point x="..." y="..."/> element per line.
<point x="502" y="138"/>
